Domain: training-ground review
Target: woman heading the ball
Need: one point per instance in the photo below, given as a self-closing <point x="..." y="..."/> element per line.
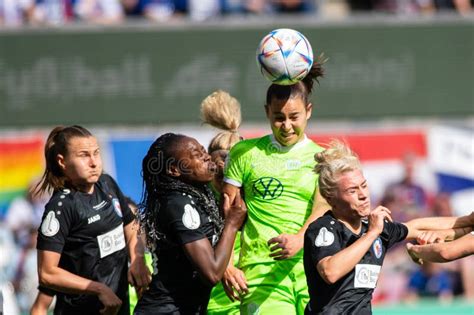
<point x="282" y="198"/>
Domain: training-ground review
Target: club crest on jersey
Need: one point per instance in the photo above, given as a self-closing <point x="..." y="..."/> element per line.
<point x="117" y="207"/>
<point x="268" y="188"/>
<point x="324" y="238"/>
<point x="50" y="225"/>
<point x="377" y="247"/>
<point x="191" y="218"/>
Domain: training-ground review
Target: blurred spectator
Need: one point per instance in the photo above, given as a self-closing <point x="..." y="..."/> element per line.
<point x="25" y="212"/>
<point x="105" y="12"/>
<point x="406" y="199"/>
<point x="7" y="270"/>
<point x="431" y="280"/>
<point x="52" y="12"/>
<point x="15" y="13"/>
<point x="293" y="6"/>
<point x="200" y="10"/>
<point x="154" y="10"/>
<point x="25" y="280"/>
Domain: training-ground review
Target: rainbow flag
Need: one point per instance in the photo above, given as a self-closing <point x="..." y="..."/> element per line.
<point x="21" y="160"/>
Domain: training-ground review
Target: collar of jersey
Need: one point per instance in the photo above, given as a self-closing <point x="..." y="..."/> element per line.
<point x="284" y="148"/>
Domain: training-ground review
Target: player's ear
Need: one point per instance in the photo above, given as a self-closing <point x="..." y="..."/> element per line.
<point x="60" y="161"/>
<point x="173" y="170"/>
<point x="309" y="110"/>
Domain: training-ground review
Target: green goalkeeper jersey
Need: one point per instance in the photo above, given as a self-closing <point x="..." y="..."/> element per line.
<point x="279" y="185"/>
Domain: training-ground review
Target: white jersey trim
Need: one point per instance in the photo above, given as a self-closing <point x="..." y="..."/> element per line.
<point x="233" y="182"/>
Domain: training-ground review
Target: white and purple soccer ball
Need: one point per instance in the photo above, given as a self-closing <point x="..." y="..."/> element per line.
<point x="284" y="56"/>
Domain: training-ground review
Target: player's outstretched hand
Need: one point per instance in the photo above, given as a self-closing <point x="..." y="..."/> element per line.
<point x="139" y="275"/>
<point x="234" y="283"/>
<point x="285" y="246"/>
<point x="110" y="301"/>
<point x="412" y="251"/>
<point x="431" y="237"/>
<point x="236" y="212"/>
<point x="377" y="218"/>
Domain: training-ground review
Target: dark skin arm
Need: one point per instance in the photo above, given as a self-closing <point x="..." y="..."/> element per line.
<point x="212" y="263"/>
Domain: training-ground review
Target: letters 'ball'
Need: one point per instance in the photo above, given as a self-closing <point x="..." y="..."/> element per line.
<point x="284" y="56"/>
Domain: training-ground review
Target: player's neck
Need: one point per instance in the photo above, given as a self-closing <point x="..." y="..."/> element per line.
<point x="86" y="188"/>
<point x="352" y="223"/>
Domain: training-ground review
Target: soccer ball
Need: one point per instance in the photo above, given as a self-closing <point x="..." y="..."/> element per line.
<point x="284" y="56"/>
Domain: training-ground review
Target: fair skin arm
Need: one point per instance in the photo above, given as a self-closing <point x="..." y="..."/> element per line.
<point x="210" y="262"/>
<point x="332" y="268"/>
<point x="41" y="304"/>
<point x="52" y="276"/>
<point x="439" y="229"/>
<point x="287" y="245"/>
<point x="138" y="274"/>
<point x="442" y="252"/>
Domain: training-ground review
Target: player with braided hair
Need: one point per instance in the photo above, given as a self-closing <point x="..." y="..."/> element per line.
<point x="190" y="242"/>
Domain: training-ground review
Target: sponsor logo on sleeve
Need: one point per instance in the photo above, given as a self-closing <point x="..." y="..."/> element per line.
<point x="324" y="238"/>
<point x="50" y="225"/>
<point x="191" y="218"/>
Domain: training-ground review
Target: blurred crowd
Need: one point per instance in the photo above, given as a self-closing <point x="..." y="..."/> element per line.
<point x="401" y="281"/>
<point x="14" y="13"/>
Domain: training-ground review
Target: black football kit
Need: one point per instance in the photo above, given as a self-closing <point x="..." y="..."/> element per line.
<point x="88" y="231"/>
<point x="352" y="293"/>
<point x="176" y="287"/>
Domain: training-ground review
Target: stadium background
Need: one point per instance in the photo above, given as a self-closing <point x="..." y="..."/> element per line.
<point x="393" y="86"/>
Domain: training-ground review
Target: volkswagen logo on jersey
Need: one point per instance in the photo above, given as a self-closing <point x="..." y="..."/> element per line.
<point x="117" y="207"/>
<point x="377" y="247"/>
<point x="268" y="188"/>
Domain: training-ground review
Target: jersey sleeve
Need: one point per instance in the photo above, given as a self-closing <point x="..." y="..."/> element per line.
<point x="47" y="291"/>
<point x="236" y="166"/>
<point x="128" y="215"/>
<point x="322" y="241"/>
<point x="58" y="219"/>
<point x="393" y="233"/>
<point x="183" y="221"/>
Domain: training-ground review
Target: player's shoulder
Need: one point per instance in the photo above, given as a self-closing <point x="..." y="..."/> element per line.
<point x="106" y="179"/>
<point x="176" y="200"/>
<point x="326" y="220"/>
<point x="312" y="146"/>
<point x="246" y="144"/>
<point x="62" y="198"/>
<point x="245" y="147"/>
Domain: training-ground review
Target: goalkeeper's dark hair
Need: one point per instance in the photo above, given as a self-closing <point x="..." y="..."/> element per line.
<point x="157" y="184"/>
<point x="301" y="89"/>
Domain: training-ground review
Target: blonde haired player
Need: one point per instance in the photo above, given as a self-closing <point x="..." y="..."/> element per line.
<point x="345" y="248"/>
<point x="222" y="111"/>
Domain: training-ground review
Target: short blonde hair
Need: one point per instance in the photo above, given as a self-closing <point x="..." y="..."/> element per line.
<point x="337" y="159"/>
<point x="221" y="110"/>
